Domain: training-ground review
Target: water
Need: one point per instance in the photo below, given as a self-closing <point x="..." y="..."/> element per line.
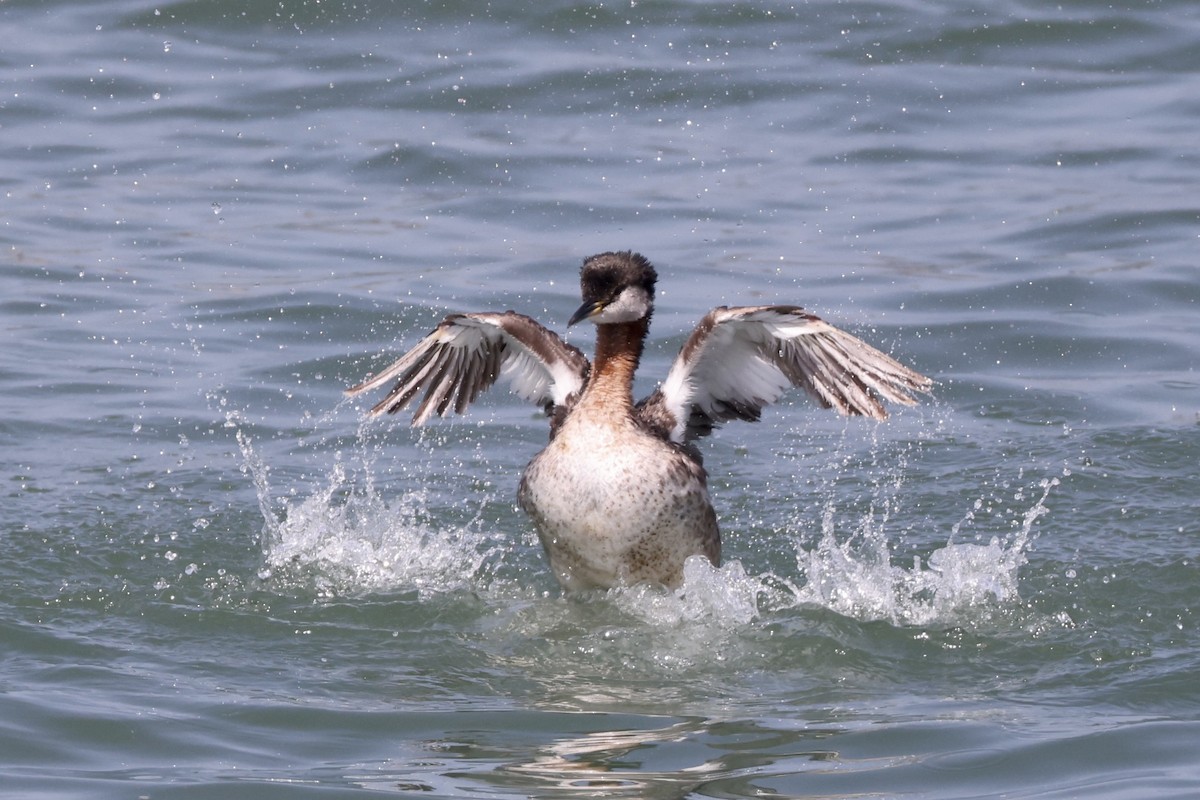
<point x="219" y="581"/>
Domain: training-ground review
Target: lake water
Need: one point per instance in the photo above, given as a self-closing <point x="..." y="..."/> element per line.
<point x="219" y="581"/>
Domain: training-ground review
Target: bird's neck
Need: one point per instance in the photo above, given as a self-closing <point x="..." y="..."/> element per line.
<point x="618" y="351"/>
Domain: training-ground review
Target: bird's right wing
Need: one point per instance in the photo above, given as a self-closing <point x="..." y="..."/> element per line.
<point x="466" y="353"/>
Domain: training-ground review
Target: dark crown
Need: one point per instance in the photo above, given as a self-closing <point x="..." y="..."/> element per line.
<point x="606" y="275"/>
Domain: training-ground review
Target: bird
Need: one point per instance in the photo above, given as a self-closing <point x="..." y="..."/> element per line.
<point x="619" y="495"/>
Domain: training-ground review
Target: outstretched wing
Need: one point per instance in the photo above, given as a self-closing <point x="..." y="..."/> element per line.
<point x="738" y="360"/>
<point x="466" y="353"/>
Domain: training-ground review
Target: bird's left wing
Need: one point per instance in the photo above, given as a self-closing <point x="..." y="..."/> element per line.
<point x="466" y="353"/>
<point x="739" y="360"/>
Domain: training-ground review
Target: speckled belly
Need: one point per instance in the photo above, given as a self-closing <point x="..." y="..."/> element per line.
<point x="618" y="506"/>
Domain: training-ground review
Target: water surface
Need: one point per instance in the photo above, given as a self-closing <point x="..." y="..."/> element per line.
<point x="220" y="581"/>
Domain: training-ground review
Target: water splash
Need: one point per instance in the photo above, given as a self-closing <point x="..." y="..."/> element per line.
<point x="345" y="538"/>
<point x="857" y="577"/>
<point x="727" y="596"/>
<point x="962" y="578"/>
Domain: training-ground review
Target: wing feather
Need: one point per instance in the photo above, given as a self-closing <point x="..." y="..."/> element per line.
<point x="739" y="360"/>
<point x="466" y="353"/>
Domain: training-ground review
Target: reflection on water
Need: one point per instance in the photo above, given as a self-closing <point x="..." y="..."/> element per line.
<point x="643" y="757"/>
<point x="611" y="763"/>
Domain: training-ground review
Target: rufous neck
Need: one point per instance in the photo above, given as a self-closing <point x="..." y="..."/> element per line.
<point x="618" y="351"/>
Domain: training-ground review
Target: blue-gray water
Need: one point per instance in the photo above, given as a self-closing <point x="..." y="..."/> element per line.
<point x="217" y="581"/>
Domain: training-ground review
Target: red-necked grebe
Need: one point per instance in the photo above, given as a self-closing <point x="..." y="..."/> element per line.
<point x="619" y="496"/>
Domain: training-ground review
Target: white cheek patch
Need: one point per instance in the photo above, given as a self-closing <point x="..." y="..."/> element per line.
<point x="631" y="304"/>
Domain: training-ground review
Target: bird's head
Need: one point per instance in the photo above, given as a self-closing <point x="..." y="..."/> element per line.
<point x="616" y="287"/>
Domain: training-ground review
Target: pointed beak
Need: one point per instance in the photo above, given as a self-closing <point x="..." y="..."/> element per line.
<point x="584" y="311"/>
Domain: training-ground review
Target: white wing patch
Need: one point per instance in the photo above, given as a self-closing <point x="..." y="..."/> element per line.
<point x="739" y="360"/>
<point x="528" y="377"/>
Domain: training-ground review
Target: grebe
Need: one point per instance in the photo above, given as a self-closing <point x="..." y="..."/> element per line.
<point x="619" y="496"/>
